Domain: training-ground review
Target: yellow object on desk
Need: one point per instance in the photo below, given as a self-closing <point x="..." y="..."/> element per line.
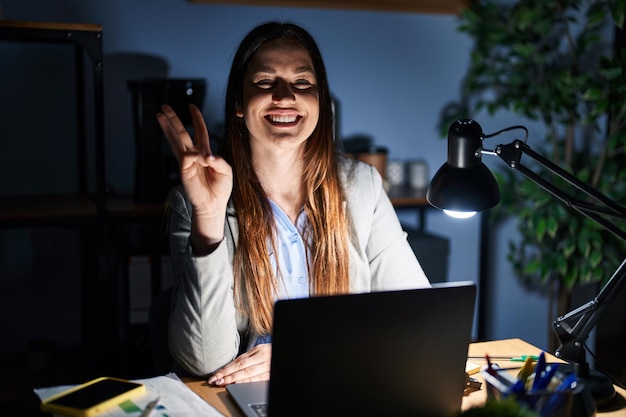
<point x="93" y="397"/>
<point x="472" y="368"/>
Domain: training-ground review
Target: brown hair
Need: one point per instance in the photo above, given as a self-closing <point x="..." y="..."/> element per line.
<point x="255" y="283"/>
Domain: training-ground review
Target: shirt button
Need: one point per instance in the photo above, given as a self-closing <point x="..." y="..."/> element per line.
<point x="302" y="280"/>
<point x="294" y="238"/>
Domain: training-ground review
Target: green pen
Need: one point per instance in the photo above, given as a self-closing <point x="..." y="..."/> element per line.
<point x="512" y="359"/>
<point x="523" y="358"/>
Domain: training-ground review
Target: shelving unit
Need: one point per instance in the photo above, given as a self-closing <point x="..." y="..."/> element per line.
<point x="85" y="209"/>
<point x="86" y="40"/>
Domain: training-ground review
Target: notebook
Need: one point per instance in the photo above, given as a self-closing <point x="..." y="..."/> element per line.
<point x="392" y="353"/>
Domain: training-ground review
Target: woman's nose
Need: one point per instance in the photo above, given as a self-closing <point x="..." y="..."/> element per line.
<point x="283" y="92"/>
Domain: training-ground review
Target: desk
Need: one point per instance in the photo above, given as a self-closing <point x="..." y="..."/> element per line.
<point x="219" y="398"/>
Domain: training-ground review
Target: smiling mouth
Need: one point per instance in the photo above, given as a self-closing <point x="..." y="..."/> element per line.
<point x="283" y="119"/>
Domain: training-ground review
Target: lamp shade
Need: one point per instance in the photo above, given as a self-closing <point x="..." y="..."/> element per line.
<point x="464" y="183"/>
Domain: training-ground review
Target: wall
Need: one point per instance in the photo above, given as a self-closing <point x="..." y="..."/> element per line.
<point x="391" y="72"/>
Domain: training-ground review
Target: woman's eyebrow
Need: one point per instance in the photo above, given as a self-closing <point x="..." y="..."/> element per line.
<point x="266" y="69"/>
<point x="304" y="68"/>
<point x="271" y="70"/>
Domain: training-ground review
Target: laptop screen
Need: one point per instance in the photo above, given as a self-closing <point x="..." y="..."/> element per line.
<point x="396" y="353"/>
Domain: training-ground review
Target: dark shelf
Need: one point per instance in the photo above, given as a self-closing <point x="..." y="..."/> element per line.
<point x="45" y="210"/>
<point x="125" y="208"/>
<point x="407" y="197"/>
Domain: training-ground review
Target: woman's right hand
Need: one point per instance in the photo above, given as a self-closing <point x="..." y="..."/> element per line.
<point x="207" y="179"/>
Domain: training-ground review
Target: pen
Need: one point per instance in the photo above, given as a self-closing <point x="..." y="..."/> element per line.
<point x="490" y="367"/>
<point x="546" y="378"/>
<point x="523" y="358"/>
<point x="151" y="405"/>
<point x="510" y="358"/>
<point x="540" y="367"/>
<point x="526" y="370"/>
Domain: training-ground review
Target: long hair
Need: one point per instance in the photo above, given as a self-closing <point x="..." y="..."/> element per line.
<point x="255" y="283"/>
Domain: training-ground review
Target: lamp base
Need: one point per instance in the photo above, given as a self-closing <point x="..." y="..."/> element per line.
<point x="601" y="389"/>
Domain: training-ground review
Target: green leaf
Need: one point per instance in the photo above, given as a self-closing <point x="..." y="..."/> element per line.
<point x="584" y="246"/>
<point x="593" y="94"/>
<point x="613" y="73"/>
<point x="533" y="267"/>
<point x="595" y="15"/>
<point x="541" y="227"/>
<point x="552" y="226"/>
<point x="562" y="265"/>
<point x="595" y="259"/>
<point x="568" y="250"/>
<point x="618" y="9"/>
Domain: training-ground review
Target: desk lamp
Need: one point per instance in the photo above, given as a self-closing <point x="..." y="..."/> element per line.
<point x="464" y="185"/>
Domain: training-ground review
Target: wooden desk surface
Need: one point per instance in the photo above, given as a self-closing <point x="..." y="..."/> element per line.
<point x="220" y="399"/>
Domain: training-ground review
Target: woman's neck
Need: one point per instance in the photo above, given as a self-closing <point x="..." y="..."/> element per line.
<point x="281" y="179"/>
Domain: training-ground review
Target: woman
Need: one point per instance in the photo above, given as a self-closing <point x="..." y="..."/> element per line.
<point x="280" y="214"/>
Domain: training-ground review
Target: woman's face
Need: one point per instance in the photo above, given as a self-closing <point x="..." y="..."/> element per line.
<point x="280" y="96"/>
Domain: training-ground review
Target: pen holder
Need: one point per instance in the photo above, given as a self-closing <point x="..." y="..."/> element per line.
<point x="501" y="385"/>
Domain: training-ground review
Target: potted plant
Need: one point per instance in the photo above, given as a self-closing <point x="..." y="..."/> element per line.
<point x="554" y="62"/>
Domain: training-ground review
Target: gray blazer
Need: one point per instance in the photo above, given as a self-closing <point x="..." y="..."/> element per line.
<point x="205" y="329"/>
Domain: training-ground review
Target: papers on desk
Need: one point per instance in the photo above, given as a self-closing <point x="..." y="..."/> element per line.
<point x="175" y="399"/>
<point x="472" y="368"/>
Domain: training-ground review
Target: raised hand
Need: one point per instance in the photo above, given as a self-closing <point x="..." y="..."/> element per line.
<point x="207" y="178"/>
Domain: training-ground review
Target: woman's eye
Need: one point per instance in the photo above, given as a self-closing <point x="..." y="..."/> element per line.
<point x="302" y="84"/>
<point x="265" y="83"/>
<point x="268" y="83"/>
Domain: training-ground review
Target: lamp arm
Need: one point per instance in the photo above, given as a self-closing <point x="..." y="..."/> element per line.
<point x="512" y="153"/>
<point x="574" y="327"/>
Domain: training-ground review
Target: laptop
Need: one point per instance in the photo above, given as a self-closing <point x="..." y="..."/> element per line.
<point x="392" y="353"/>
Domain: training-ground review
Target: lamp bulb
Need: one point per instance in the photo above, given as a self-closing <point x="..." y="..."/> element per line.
<point x="460" y="214"/>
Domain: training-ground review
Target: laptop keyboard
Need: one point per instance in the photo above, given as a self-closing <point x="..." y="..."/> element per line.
<point x="260" y="409"/>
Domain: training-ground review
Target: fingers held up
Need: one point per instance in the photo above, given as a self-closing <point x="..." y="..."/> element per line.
<point x="177" y="135"/>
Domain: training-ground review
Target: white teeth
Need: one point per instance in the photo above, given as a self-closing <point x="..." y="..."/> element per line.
<point x="283" y="119"/>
